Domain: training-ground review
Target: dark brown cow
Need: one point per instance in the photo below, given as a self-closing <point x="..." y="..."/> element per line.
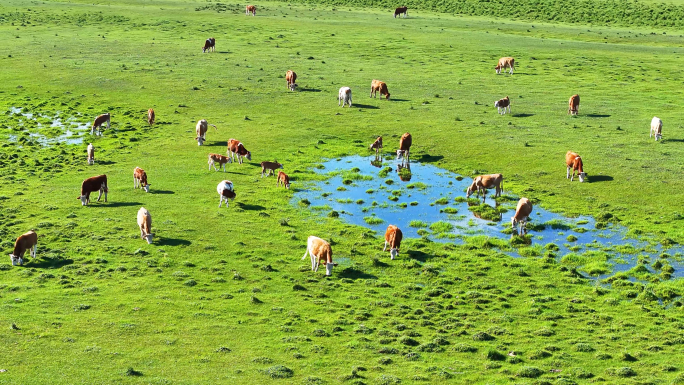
<point x="573" y="105"/>
<point x="235" y="147"/>
<point x="92" y="184"/>
<point x="400" y="11"/>
<point x="270" y="167"/>
<point x="99" y="121"/>
<point x="209" y="45"/>
<point x="27" y="241"/>
<point x="284" y="179"/>
<point x="503" y="104"/>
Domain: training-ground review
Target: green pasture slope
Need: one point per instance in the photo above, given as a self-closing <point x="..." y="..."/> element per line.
<point x="222" y="295"/>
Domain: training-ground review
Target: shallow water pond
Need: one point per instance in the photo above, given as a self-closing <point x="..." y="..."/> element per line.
<point x="426" y="201"/>
<point x="45" y="129"/>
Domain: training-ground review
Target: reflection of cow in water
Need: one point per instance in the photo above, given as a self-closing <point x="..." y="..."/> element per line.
<point x="404" y="172"/>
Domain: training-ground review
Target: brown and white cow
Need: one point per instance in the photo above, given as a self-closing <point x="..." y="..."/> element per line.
<point x="505" y="62"/>
<point x="319" y="250"/>
<point x="225" y="191"/>
<point x="377" y="85"/>
<point x="92" y="184"/>
<point x="283" y="179"/>
<point x="502" y="104"/>
<point x="150" y="116"/>
<point x="574" y="162"/>
<point x="91" y="153"/>
<point x="270" y="167"/>
<point x="27" y="241"/>
<point x="484" y="182"/>
<point x="393" y="238"/>
<point x="656" y="128"/>
<point x="401" y="10"/>
<point x="522" y="214"/>
<point x="99" y="121"/>
<point x="235" y="147"/>
<point x="404" y="146"/>
<point x="344" y="96"/>
<point x="250" y="9"/>
<point x="201" y="131"/>
<point x="291" y="78"/>
<point x="573" y="104"/>
<point x="377" y="145"/>
<point x="220" y="159"/>
<point x="145" y="224"/>
<point x="140" y="179"/>
<point x="209" y="45"/>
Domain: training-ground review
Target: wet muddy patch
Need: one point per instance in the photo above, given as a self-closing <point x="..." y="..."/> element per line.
<point x="427" y="201"/>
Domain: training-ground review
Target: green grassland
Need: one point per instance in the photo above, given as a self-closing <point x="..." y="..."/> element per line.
<point x="222" y="295"/>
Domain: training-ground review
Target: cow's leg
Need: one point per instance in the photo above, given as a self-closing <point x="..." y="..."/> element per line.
<point x="385" y="248"/>
<point x="33" y="250"/>
<point x="105" y="194"/>
<point x="99" y="195"/>
<point x="572" y="177"/>
<point x="567" y="173"/>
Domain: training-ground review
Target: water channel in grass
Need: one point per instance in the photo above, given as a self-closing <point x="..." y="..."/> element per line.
<point x="426" y="201"/>
<point x="46" y="130"/>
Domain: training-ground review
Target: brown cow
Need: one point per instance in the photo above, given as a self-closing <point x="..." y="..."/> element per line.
<point x="99" y="121"/>
<point x="91" y="153"/>
<point x="484" y="182"/>
<point x="235" y="147"/>
<point x="270" y="167"/>
<point x="209" y="45"/>
<point x="291" y="78"/>
<point x="284" y="179"/>
<point x="319" y="250"/>
<point x="573" y="104"/>
<point x="92" y="184"/>
<point x="377" y="85"/>
<point x="522" y="214"/>
<point x="393" y="238"/>
<point x="225" y="191"/>
<point x="140" y="179"/>
<point x="502" y="104"/>
<point x="400" y="11"/>
<point x="145" y="224"/>
<point x="377" y="145"/>
<point x="505" y="62"/>
<point x="574" y="162"/>
<point x="404" y="146"/>
<point x="250" y="10"/>
<point x="220" y="159"/>
<point x="27" y="241"/>
<point x="150" y="116"/>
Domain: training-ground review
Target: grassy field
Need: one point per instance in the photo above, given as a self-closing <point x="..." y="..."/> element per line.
<point x="222" y="295"/>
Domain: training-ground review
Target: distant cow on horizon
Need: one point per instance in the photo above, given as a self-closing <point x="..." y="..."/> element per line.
<point x="400" y="11"/>
<point x="209" y="45"/>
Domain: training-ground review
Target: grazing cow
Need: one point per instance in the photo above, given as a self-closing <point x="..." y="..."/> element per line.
<point x="150" y="116"/>
<point x="235" y="147"/>
<point x="502" y="104"/>
<point x="220" y="159"/>
<point x="270" y="167"/>
<point x="27" y="241"/>
<point x="377" y="145"/>
<point x="145" y="224"/>
<point x="522" y="214"/>
<point x="505" y="62"/>
<point x="140" y="179"/>
<point x="284" y="179"/>
<point x="404" y="146"/>
<point x="225" y="191"/>
<point x="656" y="128"/>
<point x="319" y="250"/>
<point x="250" y="10"/>
<point x="344" y="96"/>
<point x="393" y="238"/>
<point x="209" y="45"/>
<point x="92" y="184"/>
<point x="99" y="121"/>
<point x="291" y="77"/>
<point x="377" y="85"/>
<point x="573" y="105"/>
<point x="91" y="153"/>
<point x="201" y="131"/>
<point x="400" y="11"/>
<point x="574" y="162"/>
<point x="484" y="182"/>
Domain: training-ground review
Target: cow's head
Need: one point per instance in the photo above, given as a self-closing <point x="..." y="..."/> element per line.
<point x="514" y="222"/>
<point x="200" y="140"/>
<point x="582" y="176"/>
<point x="148" y="238"/>
<point x="400" y="153"/>
<point x="496" y="103"/>
<point x="293" y="86"/>
<point x="147" y="188"/>
<point x="249" y="155"/>
<point x="84" y="200"/>
<point x="329" y="269"/>
<point x="470" y="190"/>
<point x="287" y="185"/>
<point x="498" y="69"/>
<point x="16" y="261"/>
<point x="394" y="252"/>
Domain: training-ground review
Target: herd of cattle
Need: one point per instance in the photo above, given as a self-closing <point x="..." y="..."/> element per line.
<point x="317" y="248"/>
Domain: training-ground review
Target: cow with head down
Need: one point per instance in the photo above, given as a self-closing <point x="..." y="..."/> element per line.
<point x="92" y="184"/>
<point x="201" y="131"/>
<point x="27" y="241"/>
<point x="145" y="224"/>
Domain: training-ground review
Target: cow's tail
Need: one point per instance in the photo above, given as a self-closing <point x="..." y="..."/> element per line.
<point x="215" y="128"/>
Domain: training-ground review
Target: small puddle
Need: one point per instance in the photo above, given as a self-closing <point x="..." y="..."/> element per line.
<point x="430" y="201"/>
<point x="51" y="129"/>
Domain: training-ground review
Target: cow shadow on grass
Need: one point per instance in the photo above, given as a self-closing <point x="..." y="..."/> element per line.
<point x="123" y="204"/>
<point x="522" y="115"/>
<point x="49" y="263"/>
<point x="104" y="162"/>
<point x="425" y="158"/>
<point x="598" y="115"/>
<point x="172" y="242"/>
<point x="356" y="105"/>
<point x="164" y="192"/>
<point x="246" y="206"/>
<point x="673" y="140"/>
<point x="216" y="144"/>
<point x="419" y="255"/>
<point x="599" y="178"/>
<point x="304" y="89"/>
<point x="354" y="273"/>
<point x="398" y="100"/>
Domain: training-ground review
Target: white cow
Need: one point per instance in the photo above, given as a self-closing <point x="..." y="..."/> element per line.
<point x="145" y="224"/>
<point x="225" y="191"/>
<point x="656" y="128"/>
<point x="345" y="96"/>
